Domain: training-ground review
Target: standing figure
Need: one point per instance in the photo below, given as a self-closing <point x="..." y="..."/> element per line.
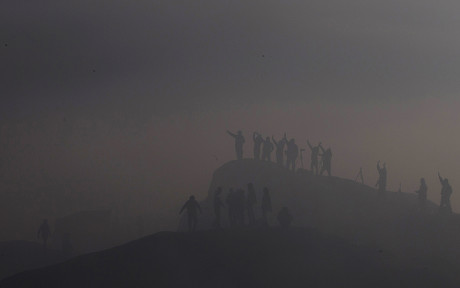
<point x="44" y="231"/>
<point x="360" y="175"/>
<point x="251" y="201"/>
<point x="266" y="205"/>
<point x="217" y="204"/>
<point x="192" y="207"/>
<point x="382" y="182"/>
<point x="267" y="150"/>
<point x="446" y="191"/>
<point x="314" y="157"/>
<point x="239" y="141"/>
<point x="291" y="154"/>
<point x="326" y="159"/>
<point x="422" y="192"/>
<point x="280" y="149"/>
<point x="258" y="140"/>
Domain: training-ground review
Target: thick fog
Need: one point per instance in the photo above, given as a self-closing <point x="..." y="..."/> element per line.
<point x="124" y="105"/>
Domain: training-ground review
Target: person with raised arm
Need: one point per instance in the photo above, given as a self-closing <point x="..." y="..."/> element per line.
<point x="258" y="140"/>
<point x="314" y="157"/>
<point x="239" y="141"/>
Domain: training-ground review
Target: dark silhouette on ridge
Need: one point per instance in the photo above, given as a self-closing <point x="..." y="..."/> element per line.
<point x="217" y="205"/>
<point x="266" y="205"/>
<point x="314" y="158"/>
<point x="291" y="154"/>
<point x="326" y="160"/>
<point x="280" y="149"/>
<point x="239" y="141"/>
<point x="193" y="208"/>
<point x="44" y="232"/>
<point x="258" y="140"/>
<point x="382" y="181"/>
<point x="267" y="149"/>
<point x="446" y="191"/>
<point x="284" y="218"/>
<point x="251" y="201"/>
<point x="422" y="193"/>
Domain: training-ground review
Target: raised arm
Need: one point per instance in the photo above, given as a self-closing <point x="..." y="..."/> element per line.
<point x="231" y="134"/>
<point x="309" y="145"/>
<point x="254" y="136"/>
<point x="378" y="165"/>
<point x="274" y="141"/>
<point x="440" y="178"/>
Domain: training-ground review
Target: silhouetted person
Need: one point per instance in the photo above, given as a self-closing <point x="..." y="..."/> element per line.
<point x="285" y="218"/>
<point x="422" y="192"/>
<point x="446" y="191"/>
<point x="193" y="208"/>
<point x="230" y="200"/>
<point x="314" y="158"/>
<point x="382" y="182"/>
<point x="239" y="141"/>
<point x="217" y="205"/>
<point x="326" y="159"/>
<point x="251" y="201"/>
<point x="267" y="149"/>
<point x="266" y="204"/>
<point x="44" y="232"/>
<point x="280" y="150"/>
<point x="291" y="154"/>
<point x="258" y="140"/>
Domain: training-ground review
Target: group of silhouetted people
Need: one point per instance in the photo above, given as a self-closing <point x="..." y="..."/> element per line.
<point x="263" y="149"/>
<point x="239" y="204"/>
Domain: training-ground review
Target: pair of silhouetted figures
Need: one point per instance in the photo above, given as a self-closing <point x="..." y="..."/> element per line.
<point x="326" y="159"/>
<point x="446" y="192"/>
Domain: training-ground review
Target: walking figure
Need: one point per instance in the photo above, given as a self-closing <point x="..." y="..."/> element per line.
<point x="382" y="182"/>
<point x="446" y="191"/>
<point x="258" y="140"/>
<point x="193" y="208"/>
<point x="326" y="160"/>
<point x="239" y="141"/>
<point x="291" y="154"/>
<point x="44" y="232"/>
<point x="251" y="201"/>
<point x="422" y="193"/>
<point x="314" y="158"/>
<point x="280" y="149"/>
<point x="217" y="205"/>
<point x="267" y="150"/>
<point x="266" y="205"/>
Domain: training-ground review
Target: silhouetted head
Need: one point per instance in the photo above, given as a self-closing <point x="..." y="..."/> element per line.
<point x="292" y="141"/>
<point x="446" y="181"/>
<point x="422" y="181"/>
<point x="239" y="132"/>
<point x="192" y="197"/>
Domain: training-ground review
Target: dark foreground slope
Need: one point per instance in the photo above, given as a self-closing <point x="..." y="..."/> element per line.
<point x="250" y="258"/>
<point x="17" y="256"/>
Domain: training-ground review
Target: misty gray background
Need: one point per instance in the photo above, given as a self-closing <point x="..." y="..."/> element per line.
<point x="130" y="100"/>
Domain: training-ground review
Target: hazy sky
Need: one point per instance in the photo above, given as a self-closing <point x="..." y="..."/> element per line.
<point x="149" y="87"/>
